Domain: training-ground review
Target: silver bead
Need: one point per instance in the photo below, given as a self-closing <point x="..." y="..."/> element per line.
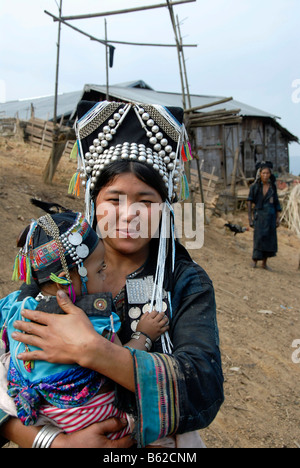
<point x="168" y="149"/>
<point x="164" y="142"/>
<point x="150" y="123"/>
<point x="141" y="111"/>
<point x="113" y="131"/>
<point x="104" y="144"/>
<point x="106" y="129"/>
<point x="88" y="156"/>
<point x="167" y="160"/>
<point x="100" y="136"/>
<point x="109" y="137"/>
<point x="159" y="135"/>
<point x="173" y="155"/>
<point x="162" y="154"/>
<point x="149" y="134"/>
<point x="96" y="142"/>
<point x="153" y="141"/>
<point x="157" y="147"/>
<point x="117" y="116"/>
<point x="170" y="166"/>
<point x="142" y="159"/>
<point x="155" y="129"/>
<point x="145" y="116"/>
<point x="92" y="149"/>
<point x="112" y="123"/>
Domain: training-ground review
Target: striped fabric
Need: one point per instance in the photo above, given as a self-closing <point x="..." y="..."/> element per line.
<point x="98" y="409"/>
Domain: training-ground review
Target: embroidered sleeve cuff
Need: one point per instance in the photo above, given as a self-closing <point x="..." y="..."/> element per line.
<point x="156" y="396"/>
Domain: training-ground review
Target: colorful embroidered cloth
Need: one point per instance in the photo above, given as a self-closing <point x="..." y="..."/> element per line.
<point x="157" y="399"/>
<point x="66" y="390"/>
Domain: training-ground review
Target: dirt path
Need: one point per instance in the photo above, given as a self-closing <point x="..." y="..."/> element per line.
<point x="258" y="311"/>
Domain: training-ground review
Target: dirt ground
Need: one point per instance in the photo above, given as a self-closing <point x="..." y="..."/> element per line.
<point x="258" y="311"/>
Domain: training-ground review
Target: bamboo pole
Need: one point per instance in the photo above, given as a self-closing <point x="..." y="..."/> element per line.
<point x="211" y="104"/>
<point x="101" y="41"/>
<point x="57" y="67"/>
<point x="127" y="10"/>
<point x="178" y="51"/>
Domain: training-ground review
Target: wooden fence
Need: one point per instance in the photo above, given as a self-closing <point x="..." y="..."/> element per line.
<point x="39" y="133"/>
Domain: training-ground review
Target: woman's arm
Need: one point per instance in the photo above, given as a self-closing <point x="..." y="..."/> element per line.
<point x="251" y="224"/>
<point x="70" y="339"/>
<point x="93" y="436"/>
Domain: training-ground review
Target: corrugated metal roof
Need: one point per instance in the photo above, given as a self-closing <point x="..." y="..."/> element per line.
<point x="175" y="99"/>
<point x="43" y="106"/>
<point x="133" y="91"/>
<point x="67" y="102"/>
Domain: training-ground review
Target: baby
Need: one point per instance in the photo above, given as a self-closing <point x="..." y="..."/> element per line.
<point x="62" y="251"/>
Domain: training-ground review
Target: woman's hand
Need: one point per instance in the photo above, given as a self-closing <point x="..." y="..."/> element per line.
<point x="95" y="436"/>
<point x="71" y="338"/>
<point x="62" y="339"/>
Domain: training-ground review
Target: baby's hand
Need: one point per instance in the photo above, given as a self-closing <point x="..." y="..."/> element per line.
<point x="153" y="324"/>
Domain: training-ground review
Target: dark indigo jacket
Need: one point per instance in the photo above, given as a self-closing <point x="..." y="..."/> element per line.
<point x="195" y="337"/>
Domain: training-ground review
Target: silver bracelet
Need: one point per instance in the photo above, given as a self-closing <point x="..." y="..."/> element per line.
<point x="148" y="343"/>
<point x="46" y="436"/>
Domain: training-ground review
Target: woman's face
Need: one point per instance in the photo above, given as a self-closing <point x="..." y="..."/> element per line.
<point x="128" y="214"/>
<point x="265" y="175"/>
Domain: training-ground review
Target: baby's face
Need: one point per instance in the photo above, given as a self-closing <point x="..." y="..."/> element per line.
<point x="94" y="265"/>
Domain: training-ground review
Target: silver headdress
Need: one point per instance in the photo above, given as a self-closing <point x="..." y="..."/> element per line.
<point x="147" y="134"/>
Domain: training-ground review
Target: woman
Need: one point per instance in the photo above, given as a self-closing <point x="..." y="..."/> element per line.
<point x="178" y="387"/>
<point x="263" y="194"/>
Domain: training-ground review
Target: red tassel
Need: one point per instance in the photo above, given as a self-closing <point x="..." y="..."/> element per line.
<point x="183" y="154"/>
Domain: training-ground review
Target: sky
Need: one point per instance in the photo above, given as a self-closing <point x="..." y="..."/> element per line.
<point x="247" y="49"/>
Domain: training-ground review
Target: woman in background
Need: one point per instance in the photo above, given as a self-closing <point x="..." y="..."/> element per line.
<point x="266" y="216"/>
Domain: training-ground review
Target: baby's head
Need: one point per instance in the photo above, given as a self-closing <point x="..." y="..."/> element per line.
<point x="61" y="251"/>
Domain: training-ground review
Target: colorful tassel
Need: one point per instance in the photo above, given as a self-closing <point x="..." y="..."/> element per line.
<point x="74" y="186"/>
<point x="74" y="152"/>
<point x="186" y="152"/>
<point x="72" y="294"/>
<point x="29" y="366"/>
<point x="28" y="271"/>
<point x="59" y="280"/>
<point x="185" y="191"/>
<point x="16" y="270"/>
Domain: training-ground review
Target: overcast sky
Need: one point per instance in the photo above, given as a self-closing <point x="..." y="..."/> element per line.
<point x="247" y="49"/>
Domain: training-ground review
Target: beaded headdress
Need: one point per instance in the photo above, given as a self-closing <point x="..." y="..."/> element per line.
<point x="148" y="134"/>
<point x="152" y="135"/>
<point x="55" y="244"/>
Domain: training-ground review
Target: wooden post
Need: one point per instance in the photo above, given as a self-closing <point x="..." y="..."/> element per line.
<point x="106" y="60"/>
<point x="235" y="166"/>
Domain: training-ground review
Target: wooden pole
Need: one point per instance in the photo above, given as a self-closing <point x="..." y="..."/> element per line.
<point x="57" y="66"/>
<point x="211" y="104"/>
<point x="184" y="65"/>
<point x="107" y="58"/>
<point x="178" y="51"/>
<point x="127" y="10"/>
<point x="234" y="172"/>
<point x="101" y="41"/>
